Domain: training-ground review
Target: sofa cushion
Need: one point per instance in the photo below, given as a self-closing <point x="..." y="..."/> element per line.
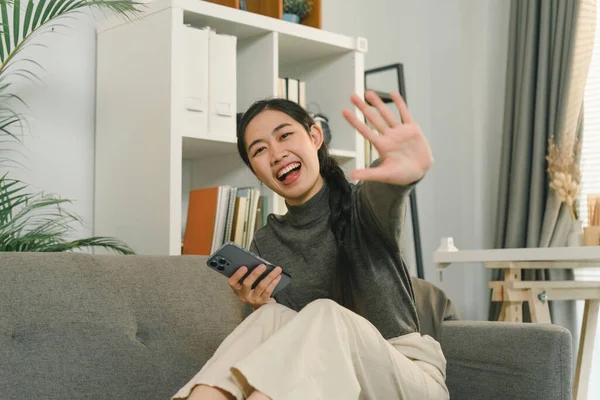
<point x="507" y="360"/>
<point x="106" y="327"/>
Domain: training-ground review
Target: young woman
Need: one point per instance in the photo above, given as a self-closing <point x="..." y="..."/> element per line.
<point x="347" y="325"/>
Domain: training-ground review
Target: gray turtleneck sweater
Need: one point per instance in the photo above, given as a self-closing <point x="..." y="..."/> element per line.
<point x="302" y="243"/>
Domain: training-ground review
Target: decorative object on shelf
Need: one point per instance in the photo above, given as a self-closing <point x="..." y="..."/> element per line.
<point x="314" y="110"/>
<point x="275" y="9"/>
<point x="36" y="222"/>
<point x="291" y="18"/>
<point x="591" y="236"/>
<point x="447" y="244"/>
<point x="564" y="173"/>
<point x="591" y="233"/>
<point x="323" y="122"/>
<point x="593" y="209"/>
<point x="296" y="10"/>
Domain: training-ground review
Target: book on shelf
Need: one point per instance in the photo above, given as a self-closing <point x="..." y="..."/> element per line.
<point x="221" y="214"/>
<point x="292" y="89"/>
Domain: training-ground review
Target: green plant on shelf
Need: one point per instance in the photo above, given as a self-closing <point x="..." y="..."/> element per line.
<point x="36" y="221"/>
<point x="301" y="8"/>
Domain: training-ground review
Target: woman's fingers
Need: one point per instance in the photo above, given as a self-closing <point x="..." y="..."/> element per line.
<point x="266" y="282"/>
<point x="369" y="174"/>
<point x="261" y="294"/>
<point x="361" y="127"/>
<point x="385" y="112"/>
<point x="246" y="290"/>
<point x="402" y="108"/>
<point x="370" y="113"/>
<point x="269" y="290"/>
<point x="234" y="281"/>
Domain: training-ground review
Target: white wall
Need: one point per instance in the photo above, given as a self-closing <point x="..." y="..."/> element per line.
<point x="454" y="56"/>
<point x="58" y="151"/>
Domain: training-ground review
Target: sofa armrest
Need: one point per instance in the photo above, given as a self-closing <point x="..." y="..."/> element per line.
<point x="502" y="360"/>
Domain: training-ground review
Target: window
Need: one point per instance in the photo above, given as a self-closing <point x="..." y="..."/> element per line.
<point x="590" y="182"/>
<point x="590" y="146"/>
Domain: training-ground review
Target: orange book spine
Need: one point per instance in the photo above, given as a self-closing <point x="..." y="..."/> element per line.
<point x="202" y="212"/>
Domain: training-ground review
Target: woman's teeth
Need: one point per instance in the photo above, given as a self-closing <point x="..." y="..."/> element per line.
<point x="287" y="169"/>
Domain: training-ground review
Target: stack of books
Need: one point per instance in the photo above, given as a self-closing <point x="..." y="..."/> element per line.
<point x="292" y="89"/>
<point x="221" y="214"/>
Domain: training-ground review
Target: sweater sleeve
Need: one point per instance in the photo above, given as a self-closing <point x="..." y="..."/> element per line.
<point x="382" y="206"/>
<point x="254" y="248"/>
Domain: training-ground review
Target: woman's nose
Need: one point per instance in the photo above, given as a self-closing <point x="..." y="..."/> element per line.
<point x="278" y="154"/>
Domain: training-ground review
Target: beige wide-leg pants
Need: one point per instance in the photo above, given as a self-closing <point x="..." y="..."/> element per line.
<point x="323" y="352"/>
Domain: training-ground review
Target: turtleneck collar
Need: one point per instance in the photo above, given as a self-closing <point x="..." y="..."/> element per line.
<point x="313" y="209"/>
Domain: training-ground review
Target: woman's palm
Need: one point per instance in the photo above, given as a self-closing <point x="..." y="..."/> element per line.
<point x="404" y="152"/>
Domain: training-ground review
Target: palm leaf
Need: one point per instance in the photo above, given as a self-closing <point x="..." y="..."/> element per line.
<point x="34" y="222"/>
<point x="28" y="12"/>
<point x="96" y="241"/>
<point x="44" y="13"/>
<point x="10" y="121"/>
<point x="17" y="32"/>
<point x="5" y="29"/>
<point x="16" y="21"/>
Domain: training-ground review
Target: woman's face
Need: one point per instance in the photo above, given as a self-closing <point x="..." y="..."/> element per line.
<point x="284" y="156"/>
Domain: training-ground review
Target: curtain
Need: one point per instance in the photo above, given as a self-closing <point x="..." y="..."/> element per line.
<point x="549" y="52"/>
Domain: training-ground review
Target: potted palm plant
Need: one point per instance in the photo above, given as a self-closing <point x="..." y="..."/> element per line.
<point x="34" y="221"/>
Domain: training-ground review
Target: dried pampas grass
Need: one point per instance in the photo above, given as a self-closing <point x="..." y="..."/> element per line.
<point x="564" y="173"/>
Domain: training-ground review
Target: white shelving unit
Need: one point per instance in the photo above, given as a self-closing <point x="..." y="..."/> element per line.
<point x="146" y="163"/>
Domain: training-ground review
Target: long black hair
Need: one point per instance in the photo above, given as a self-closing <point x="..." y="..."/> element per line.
<point x="340" y="191"/>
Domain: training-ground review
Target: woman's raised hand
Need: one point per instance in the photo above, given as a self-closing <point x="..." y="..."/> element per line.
<point x="261" y="294"/>
<point x="404" y="152"/>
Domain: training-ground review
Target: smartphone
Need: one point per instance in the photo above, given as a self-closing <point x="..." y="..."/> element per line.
<point x="230" y="257"/>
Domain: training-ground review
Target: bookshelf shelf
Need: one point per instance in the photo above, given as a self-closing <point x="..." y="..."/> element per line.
<point x="204" y="149"/>
<point x="198" y="149"/>
<point x="150" y="153"/>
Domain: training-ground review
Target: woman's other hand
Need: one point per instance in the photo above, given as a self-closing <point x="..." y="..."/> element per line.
<point x="261" y="294"/>
<point x="404" y="152"/>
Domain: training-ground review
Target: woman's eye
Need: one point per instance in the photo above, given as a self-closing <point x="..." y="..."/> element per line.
<point x="259" y="150"/>
<point x="286" y="135"/>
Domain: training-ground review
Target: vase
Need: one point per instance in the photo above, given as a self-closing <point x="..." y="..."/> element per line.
<point x="291" y="17"/>
<point x="575" y="236"/>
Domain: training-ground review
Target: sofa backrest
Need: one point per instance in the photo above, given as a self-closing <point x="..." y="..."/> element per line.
<point x="108" y="327"/>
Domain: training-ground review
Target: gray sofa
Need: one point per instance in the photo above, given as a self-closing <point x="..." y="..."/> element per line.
<point x="78" y="326"/>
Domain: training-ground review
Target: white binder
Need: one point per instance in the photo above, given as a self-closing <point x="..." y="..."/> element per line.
<point x="196" y="82"/>
<point x="222" y="87"/>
